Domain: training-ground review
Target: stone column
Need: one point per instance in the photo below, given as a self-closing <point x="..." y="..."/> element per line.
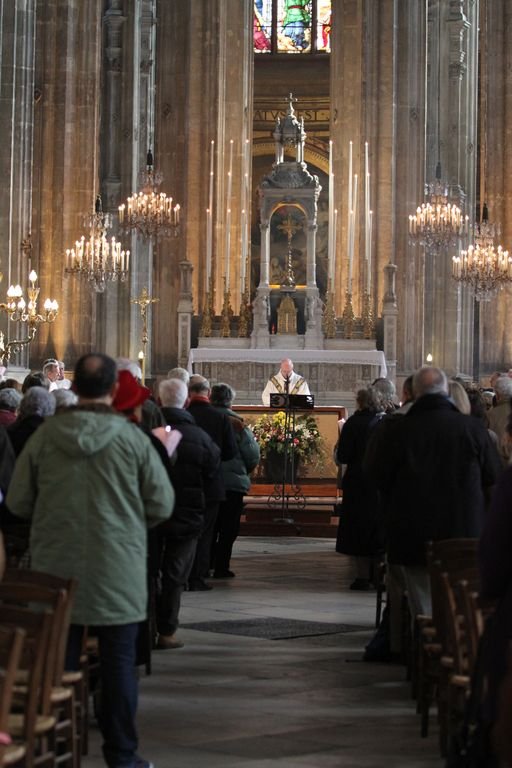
<point x="17" y="46"/>
<point x="65" y="161"/>
<point x="496" y="169"/>
<point x="390" y="318"/>
<point x="185" y="311"/>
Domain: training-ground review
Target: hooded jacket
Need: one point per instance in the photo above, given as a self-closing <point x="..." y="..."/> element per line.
<point x="91" y="483"/>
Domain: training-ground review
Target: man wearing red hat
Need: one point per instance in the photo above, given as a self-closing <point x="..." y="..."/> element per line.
<point x="91" y="483"/>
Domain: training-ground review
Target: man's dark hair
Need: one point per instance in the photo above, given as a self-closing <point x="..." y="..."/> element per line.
<point x="37" y="379"/>
<point x="222" y="395"/>
<point x="95" y="375"/>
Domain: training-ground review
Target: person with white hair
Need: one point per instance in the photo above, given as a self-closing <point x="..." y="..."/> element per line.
<point x="35" y="406"/>
<point x="498" y="416"/>
<point x="197" y="463"/>
<point x="435" y="473"/>
<point x="179" y="373"/>
<point x="285" y="382"/>
<point x="62" y="382"/>
<point x="10" y="400"/>
<point x="51" y="371"/>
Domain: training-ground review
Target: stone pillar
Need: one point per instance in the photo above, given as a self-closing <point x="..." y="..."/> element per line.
<point x="390" y="318"/>
<point x="496" y="169"/>
<point x="65" y="160"/>
<point x="17" y="46"/>
<point x="185" y="311"/>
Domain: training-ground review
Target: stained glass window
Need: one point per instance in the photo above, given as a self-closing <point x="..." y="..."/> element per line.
<point x="292" y="26"/>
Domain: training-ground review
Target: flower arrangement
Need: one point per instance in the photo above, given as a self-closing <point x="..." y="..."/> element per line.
<point x="303" y="436"/>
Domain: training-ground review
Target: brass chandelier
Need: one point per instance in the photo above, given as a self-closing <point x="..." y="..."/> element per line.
<point x="437" y="222"/>
<point x="98" y="259"/>
<point x="483" y="268"/>
<point x="150" y="213"/>
<point x="26" y="313"/>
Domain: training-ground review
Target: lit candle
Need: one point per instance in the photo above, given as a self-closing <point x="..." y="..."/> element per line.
<point x="332" y="262"/>
<point x="228" y="245"/>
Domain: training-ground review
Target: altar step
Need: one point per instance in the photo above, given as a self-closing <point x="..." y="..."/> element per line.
<point x="309" y="514"/>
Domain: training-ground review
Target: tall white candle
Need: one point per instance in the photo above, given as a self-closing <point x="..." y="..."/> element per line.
<point x="349" y="216"/>
<point x="228" y="245"/>
<point x="209" y="218"/>
<point x="228" y="215"/>
<point x="332" y="263"/>
<point x="244" y="251"/>
<point x="353" y="231"/>
<point x="369" y="263"/>
<point x="330" y="244"/>
<point x="208" y="246"/>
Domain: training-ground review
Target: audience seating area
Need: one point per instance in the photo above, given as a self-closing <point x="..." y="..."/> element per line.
<point x="43" y="707"/>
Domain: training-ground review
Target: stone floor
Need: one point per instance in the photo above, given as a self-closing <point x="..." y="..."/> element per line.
<point x="231" y="701"/>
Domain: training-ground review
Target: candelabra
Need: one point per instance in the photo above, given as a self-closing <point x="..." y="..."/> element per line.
<point x="144" y="301"/>
<point x="348" y="316"/>
<point x="437" y="223"/>
<point x="98" y="259"/>
<point x="484" y="267"/>
<point x="367" y="316"/>
<point x="208" y="312"/>
<point x="149" y="212"/>
<point x="329" y="318"/>
<point x="20" y="311"/>
<point x="226" y="314"/>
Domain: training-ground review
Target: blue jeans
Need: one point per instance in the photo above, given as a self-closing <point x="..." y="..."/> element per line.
<point x="119" y="688"/>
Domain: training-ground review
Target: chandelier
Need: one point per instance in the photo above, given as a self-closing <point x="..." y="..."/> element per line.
<point x="149" y="212"/>
<point x="20" y="311"/>
<point x="484" y="268"/>
<point x="437" y="223"/>
<point x="98" y="259"/>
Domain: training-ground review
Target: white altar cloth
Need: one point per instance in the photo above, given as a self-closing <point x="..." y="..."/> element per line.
<point x="341" y="356"/>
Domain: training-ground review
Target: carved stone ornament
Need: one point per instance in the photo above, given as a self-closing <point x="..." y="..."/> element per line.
<point x="291" y="176"/>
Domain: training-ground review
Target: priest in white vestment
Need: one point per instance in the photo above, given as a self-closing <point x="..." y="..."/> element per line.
<point x="285" y="382"/>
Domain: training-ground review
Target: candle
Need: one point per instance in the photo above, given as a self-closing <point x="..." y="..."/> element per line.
<point x="209" y="219"/>
<point x="349" y="217"/>
<point x="369" y="262"/>
<point x="208" y="246"/>
<point x="333" y="262"/>
<point x="244" y="251"/>
<point x="228" y="214"/>
<point x="330" y="244"/>
<point x="352" y="238"/>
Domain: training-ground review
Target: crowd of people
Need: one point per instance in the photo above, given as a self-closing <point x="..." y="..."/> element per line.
<point x="436" y="466"/>
<point x="123" y="482"/>
<point x="131" y="498"/>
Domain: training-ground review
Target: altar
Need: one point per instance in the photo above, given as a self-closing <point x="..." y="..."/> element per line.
<point x="333" y="376"/>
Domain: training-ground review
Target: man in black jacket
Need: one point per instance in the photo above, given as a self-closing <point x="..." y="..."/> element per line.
<point x="220" y="429"/>
<point x="435" y="471"/>
<point x="193" y="473"/>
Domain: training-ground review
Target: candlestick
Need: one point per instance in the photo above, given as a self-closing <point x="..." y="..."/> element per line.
<point x="369" y="264"/>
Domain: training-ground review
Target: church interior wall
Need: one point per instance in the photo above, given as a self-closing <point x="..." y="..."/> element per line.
<point x="85" y="130"/>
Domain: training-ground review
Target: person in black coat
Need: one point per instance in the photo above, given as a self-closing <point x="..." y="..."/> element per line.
<point x="435" y="472"/>
<point x="219" y="428"/>
<point x="193" y="473"/>
<point x="359" y="533"/>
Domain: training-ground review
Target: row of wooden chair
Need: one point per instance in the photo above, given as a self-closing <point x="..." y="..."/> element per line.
<point x="447" y="641"/>
<point x="43" y="708"/>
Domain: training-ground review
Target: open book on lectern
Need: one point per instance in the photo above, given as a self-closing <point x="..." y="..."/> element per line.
<point x="292" y="402"/>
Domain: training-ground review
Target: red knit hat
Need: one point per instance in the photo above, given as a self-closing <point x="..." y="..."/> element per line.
<point x="130" y="393"/>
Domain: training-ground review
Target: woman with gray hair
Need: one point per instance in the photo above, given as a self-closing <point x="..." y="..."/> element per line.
<point x="9" y="403"/>
<point x="35" y="406"/>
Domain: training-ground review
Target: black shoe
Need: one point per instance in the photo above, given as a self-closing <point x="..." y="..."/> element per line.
<point x="360" y="585"/>
<point x="198" y="586"/>
<point x="227" y="574"/>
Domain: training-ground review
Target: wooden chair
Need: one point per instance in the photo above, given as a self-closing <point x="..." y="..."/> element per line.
<point x="445" y="556"/>
<point x="60" y="703"/>
<point x="67" y="692"/>
<point x="11" y="646"/>
<point x="32" y="727"/>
